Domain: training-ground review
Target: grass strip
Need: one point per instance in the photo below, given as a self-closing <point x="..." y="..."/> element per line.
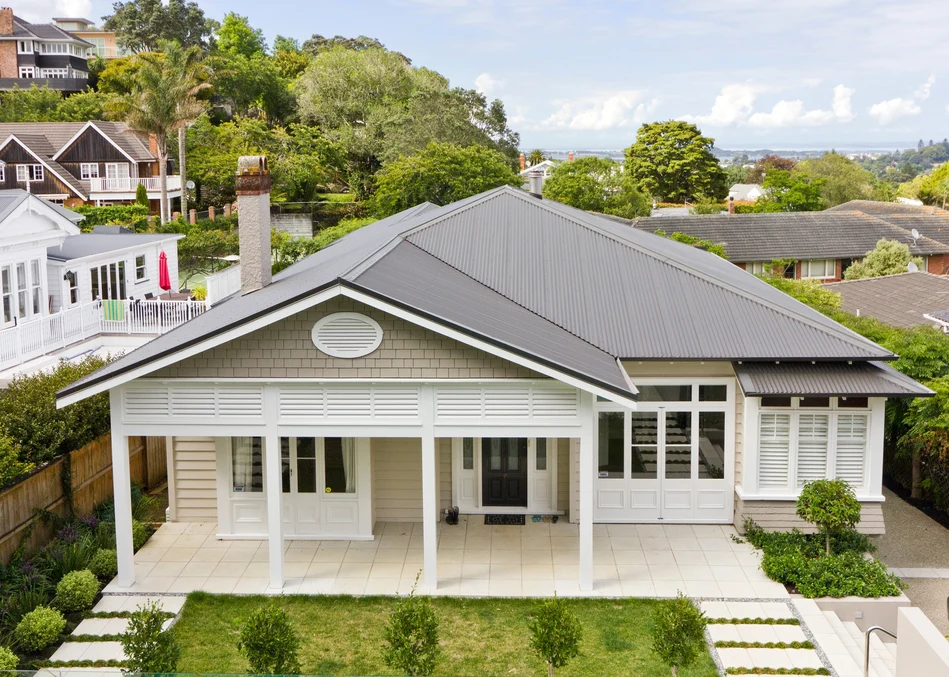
<point x="117" y="614"/>
<point x="730" y="644"/>
<point x="753" y="621"/>
<point x="92" y="638"/>
<point x="79" y="664"/>
<point x="777" y="671"/>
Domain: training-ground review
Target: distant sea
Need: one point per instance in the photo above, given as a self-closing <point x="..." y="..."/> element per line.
<point x="788" y="150"/>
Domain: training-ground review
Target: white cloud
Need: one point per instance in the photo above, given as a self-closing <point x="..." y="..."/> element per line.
<point x="620" y="109"/>
<point x="794" y="114"/>
<point x="886" y="112"/>
<point x="733" y="105"/>
<point x="40" y="11"/>
<point x="487" y="84"/>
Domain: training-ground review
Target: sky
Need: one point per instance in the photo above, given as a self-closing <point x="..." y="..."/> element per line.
<point x="585" y="74"/>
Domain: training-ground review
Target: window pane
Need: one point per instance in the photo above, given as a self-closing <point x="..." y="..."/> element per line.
<point x="494" y="452"/>
<point x="306" y="465"/>
<point x="541" y="454"/>
<point x="610" y="438"/>
<point x="678" y="445"/>
<point x="339" y="463"/>
<point x="853" y="402"/>
<point x="467" y="453"/>
<point x="775" y="401"/>
<point x="247" y="464"/>
<point x="815" y="402"/>
<point x="713" y="393"/>
<point x="285" y="464"/>
<point x="711" y="445"/>
<point x="812" y="431"/>
<point x="774" y="446"/>
<point x="674" y="393"/>
<point x="512" y="447"/>
<point x="643" y="459"/>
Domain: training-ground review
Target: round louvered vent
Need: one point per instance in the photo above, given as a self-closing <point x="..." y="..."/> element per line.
<point x="347" y="335"/>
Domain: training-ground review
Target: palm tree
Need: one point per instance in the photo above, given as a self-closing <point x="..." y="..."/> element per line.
<point x="164" y="99"/>
<point x="536" y="157"/>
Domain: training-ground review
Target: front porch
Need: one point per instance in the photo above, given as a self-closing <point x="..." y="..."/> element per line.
<point x="537" y="559"/>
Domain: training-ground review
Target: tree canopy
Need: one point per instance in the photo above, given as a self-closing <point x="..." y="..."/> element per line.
<point x="597" y="185"/>
<point x="790" y="192"/>
<point x="764" y="165"/>
<point x="440" y="174"/>
<point x="889" y="257"/>
<point x="934" y="188"/>
<point x="141" y="25"/>
<point x="672" y="161"/>
<point x="237" y="36"/>
<point x="843" y="179"/>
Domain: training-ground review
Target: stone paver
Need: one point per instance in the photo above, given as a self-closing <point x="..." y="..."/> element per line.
<point x="89" y="651"/>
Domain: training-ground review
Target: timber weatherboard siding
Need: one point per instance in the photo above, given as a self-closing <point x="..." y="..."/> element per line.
<point x="780" y="516"/>
<point x="285" y="350"/>
<point x="195" y="479"/>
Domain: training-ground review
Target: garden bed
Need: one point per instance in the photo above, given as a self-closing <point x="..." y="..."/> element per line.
<point x="344" y="635"/>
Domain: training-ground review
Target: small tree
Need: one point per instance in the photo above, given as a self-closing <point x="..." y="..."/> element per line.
<point x="411" y="636"/>
<point x="679" y="635"/>
<point x="831" y="505"/>
<point x="889" y="257"/>
<point x="141" y="195"/>
<point x="148" y="647"/>
<point x="269" y="642"/>
<point x="555" y="633"/>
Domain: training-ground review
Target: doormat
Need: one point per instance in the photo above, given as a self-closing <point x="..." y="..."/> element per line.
<point x="504" y="520"/>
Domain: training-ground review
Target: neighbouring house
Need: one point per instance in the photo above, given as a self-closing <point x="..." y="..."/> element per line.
<point x="65" y="294"/>
<point x="927" y="220"/>
<point x="103" y="43"/>
<point x="76" y="163"/>
<point x="745" y="192"/>
<point x="540" y="172"/>
<point x="821" y="244"/>
<point x="504" y="354"/>
<point x="904" y="300"/>
<point x="41" y="54"/>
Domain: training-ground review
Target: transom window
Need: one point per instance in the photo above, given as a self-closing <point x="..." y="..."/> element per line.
<point x="822" y="269"/>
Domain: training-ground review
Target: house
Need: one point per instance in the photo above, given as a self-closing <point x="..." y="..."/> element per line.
<point x="64" y="293"/>
<point x="75" y="163"/>
<point x="904" y="300"/>
<point x="104" y="43"/>
<point x="41" y="54"/>
<point x="822" y="244"/>
<point x="745" y="192"/>
<point x="926" y="220"/>
<point x="505" y="354"/>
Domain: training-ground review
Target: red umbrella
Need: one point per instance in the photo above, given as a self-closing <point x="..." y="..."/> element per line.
<point x="164" y="280"/>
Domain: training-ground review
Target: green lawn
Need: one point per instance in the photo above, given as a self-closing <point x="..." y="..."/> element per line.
<point x="342" y="636"/>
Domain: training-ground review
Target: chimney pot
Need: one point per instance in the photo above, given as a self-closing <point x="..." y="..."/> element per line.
<point x="523" y="162"/>
<point x="253" y="222"/>
<point x="536" y="178"/>
<point x="731" y="204"/>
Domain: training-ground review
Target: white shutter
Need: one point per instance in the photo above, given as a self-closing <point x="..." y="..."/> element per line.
<point x="192" y="400"/>
<point x="774" y="450"/>
<point x="553" y="401"/>
<point x="461" y="401"/>
<point x="852" y="448"/>
<point x="812" y="444"/>
<point x="507" y="401"/>
<point x="396" y="402"/>
<point x="309" y="402"/>
<point x="240" y="401"/>
<point x="347" y="335"/>
<point x="146" y="401"/>
<point x="345" y="401"/>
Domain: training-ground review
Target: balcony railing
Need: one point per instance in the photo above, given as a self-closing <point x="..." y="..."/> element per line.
<point x="130" y="185"/>
<point x="222" y="284"/>
<point x="45" y="335"/>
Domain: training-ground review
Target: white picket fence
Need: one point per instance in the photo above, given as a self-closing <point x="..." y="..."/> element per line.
<point x="29" y="340"/>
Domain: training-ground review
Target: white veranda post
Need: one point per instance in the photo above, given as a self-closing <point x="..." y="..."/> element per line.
<point x="122" y="492"/>
<point x="429" y="494"/>
<point x="586" y="490"/>
<point x="274" y="510"/>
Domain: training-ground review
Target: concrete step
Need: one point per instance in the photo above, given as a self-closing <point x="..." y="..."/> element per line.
<point x="881" y="660"/>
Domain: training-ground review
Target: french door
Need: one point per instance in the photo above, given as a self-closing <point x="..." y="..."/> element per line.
<point x="299" y="477"/>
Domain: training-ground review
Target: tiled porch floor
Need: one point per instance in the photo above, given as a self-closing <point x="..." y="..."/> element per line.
<point x="537" y="559"/>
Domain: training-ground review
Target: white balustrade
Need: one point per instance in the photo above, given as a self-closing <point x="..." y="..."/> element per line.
<point x="130" y="185"/>
<point x="222" y="284"/>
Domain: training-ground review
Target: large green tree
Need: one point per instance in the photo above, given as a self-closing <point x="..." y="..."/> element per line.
<point x="141" y="25"/>
<point x="596" y="185"/>
<point x="42" y="104"/>
<point x="440" y="174"/>
<point x="843" y="179"/>
<point x="672" y="161"/>
<point x="767" y="163"/>
<point x="237" y="36"/>
<point x="933" y="189"/>
<point x="790" y="192"/>
<point x="889" y="257"/>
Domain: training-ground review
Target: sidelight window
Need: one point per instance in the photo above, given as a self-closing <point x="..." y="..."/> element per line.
<point x="247" y="467"/>
<point x="340" y="465"/>
<point x="611" y="442"/>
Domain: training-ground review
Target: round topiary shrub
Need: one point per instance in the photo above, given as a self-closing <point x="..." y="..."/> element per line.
<point x="77" y="590"/>
<point x="831" y="505"/>
<point x="104" y="564"/>
<point x="8" y="659"/>
<point x="39" y="628"/>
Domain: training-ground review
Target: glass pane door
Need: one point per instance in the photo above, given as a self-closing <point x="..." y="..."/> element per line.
<point x="643" y="483"/>
<point x="678" y="465"/>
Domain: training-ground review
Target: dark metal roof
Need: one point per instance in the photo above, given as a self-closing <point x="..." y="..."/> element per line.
<point x="92" y="244"/>
<point x="901" y="300"/>
<point x="798" y="235"/>
<point x="553" y="283"/>
<point x="860" y="379"/>
<point x="25" y="29"/>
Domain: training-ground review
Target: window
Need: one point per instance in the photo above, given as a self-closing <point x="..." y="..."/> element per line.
<point x="21" y="304"/>
<point x="467" y="453"/>
<point x="140" y="267"/>
<point x="6" y="292"/>
<point x="27" y="72"/>
<point x="790" y="271"/>
<point x="711" y="445"/>
<point x="108" y="281"/>
<point x="117" y="170"/>
<point x="247" y="468"/>
<point x="88" y="170"/>
<point x="29" y="173"/>
<point x="644" y="446"/>
<point x="673" y="393"/>
<point x="774" y="449"/>
<point x="24" y="46"/>
<point x="339" y="464"/>
<point x="541" y="454"/>
<point x="54" y="48"/>
<point x="713" y="393"/>
<point x="821" y="269"/>
<point x="36" y="287"/>
<point x="611" y="442"/>
<point x="55" y="73"/>
<point x="72" y="285"/>
<point x="678" y="445"/>
<point x="758" y="268"/>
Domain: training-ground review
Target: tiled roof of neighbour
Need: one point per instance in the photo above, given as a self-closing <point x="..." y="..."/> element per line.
<point x="552" y="283"/>
<point x="25" y="29"/>
<point x="798" y="235"/>
<point x="876" y="208"/>
<point x="48" y="138"/>
<point x="862" y="379"/>
<point x="900" y="300"/>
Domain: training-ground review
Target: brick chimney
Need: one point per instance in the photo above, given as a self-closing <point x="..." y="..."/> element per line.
<point x="570" y="156"/>
<point x="523" y="162"/>
<point x="6" y="21"/>
<point x="731" y="204"/>
<point x="253" y="221"/>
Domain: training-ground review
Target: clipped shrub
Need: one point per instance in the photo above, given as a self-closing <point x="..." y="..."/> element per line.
<point x="39" y="628"/>
<point x="139" y="534"/>
<point x="831" y="505"/>
<point x="411" y="636"/>
<point x="269" y="642"/>
<point x="11" y="467"/>
<point x="104" y="564"/>
<point x="148" y="647"/>
<point x="784" y="566"/>
<point x="77" y="590"/>
<point x="8" y="659"/>
<point x="555" y="633"/>
<point x="679" y="635"/>
<point x="845" y="574"/>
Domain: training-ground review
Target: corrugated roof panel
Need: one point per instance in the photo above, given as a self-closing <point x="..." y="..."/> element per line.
<point x="862" y="379"/>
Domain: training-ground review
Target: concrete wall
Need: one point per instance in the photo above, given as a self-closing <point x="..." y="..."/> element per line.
<point x="780" y="516"/>
<point x="297" y="225"/>
<point x="866" y="612"/>
<point x="921" y="650"/>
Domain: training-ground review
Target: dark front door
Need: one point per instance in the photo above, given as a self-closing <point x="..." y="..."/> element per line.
<point x="504" y="471"/>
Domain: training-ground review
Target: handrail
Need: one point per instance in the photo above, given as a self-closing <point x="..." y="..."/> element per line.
<point x="866" y="648"/>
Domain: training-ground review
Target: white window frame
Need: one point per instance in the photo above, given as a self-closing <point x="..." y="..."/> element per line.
<point x="72" y="287"/>
<point x="24" y="46"/>
<point x="23" y="173"/>
<point x="36" y="273"/>
<point x="7" y="297"/>
<point x="27" y="72"/>
<point x="89" y="170"/>
<point x="757" y="413"/>
<point x="141" y="271"/>
<point x="819" y="269"/>
<point x="112" y="170"/>
<point x="756" y="268"/>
